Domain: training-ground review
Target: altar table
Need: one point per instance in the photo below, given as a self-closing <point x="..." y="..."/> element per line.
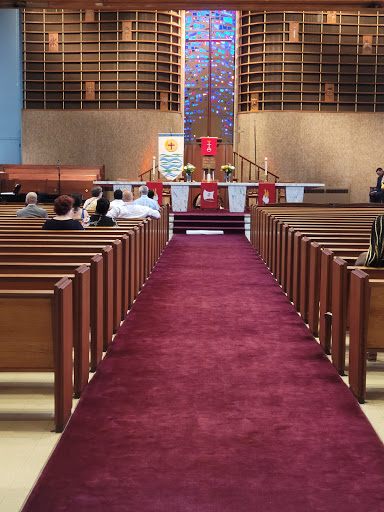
<point x="236" y="191"/>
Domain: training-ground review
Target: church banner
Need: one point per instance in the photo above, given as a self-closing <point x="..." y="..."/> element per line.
<point x="171" y="154"/>
<point x="157" y="187"/>
<point x="267" y="193"/>
<point x="208" y="145"/>
<point x="208" y="195"/>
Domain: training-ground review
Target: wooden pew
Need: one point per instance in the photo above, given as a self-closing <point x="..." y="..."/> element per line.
<point x="366" y="327"/>
<point x="44" y="178"/>
<point x="36" y="335"/>
<point x="341" y="274"/>
<point x="96" y="294"/>
<point x="81" y="312"/>
<point x="78" y="258"/>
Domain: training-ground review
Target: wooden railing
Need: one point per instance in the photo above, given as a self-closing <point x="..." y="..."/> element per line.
<point x="248" y="171"/>
<point x="149" y="175"/>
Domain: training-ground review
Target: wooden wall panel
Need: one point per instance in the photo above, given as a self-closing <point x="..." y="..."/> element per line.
<point x="132" y="57"/>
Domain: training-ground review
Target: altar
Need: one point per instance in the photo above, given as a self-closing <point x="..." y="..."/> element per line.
<point x="237" y="192"/>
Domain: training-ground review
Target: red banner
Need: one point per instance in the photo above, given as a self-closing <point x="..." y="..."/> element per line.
<point x="267" y="193"/>
<point x="208" y="195"/>
<point x="208" y="145"/>
<point x="157" y="187"/>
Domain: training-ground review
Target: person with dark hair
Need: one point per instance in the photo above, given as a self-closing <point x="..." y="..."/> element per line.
<point x="118" y="201"/>
<point x="77" y="211"/>
<point x="375" y="255"/>
<point x="63" y="219"/>
<point x="100" y="217"/>
<point x="377" y="195"/>
<point x="90" y="204"/>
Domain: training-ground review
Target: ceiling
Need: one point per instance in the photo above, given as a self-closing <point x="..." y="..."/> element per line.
<point x="153" y="5"/>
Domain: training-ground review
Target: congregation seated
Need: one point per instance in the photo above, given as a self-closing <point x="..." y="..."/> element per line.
<point x="375" y="255"/>
<point x="77" y="212"/>
<point x="145" y="200"/>
<point x="118" y="199"/>
<point x="100" y="217"/>
<point x="31" y="210"/>
<point x="377" y="195"/>
<point x="63" y="220"/>
<point x="90" y="204"/>
<point x="131" y="210"/>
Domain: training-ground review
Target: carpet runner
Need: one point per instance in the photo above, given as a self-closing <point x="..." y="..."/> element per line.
<point x="214" y="397"/>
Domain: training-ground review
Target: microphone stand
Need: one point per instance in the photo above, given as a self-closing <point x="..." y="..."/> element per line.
<point x="59" y="179"/>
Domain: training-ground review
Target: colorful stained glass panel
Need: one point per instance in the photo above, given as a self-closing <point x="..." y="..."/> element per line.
<point x="209" y="74"/>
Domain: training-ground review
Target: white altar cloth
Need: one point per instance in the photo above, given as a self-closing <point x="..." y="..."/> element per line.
<point x="236" y="191"/>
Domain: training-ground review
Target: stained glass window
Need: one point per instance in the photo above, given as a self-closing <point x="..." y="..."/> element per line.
<point x="209" y="74"/>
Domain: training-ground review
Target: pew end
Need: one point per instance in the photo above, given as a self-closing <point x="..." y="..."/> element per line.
<point x="42" y="341"/>
<point x="366" y="327"/>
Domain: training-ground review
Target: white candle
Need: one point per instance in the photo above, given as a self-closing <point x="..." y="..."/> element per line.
<point x="266" y="166"/>
<point x="208" y="177"/>
<point x="154" y="165"/>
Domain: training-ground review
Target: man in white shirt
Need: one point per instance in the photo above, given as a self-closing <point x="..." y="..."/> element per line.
<point x="118" y="199"/>
<point x="130" y="210"/>
<point x="144" y="200"/>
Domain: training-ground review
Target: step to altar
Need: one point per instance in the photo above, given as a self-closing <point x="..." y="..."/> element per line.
<point x="229" y="223"/>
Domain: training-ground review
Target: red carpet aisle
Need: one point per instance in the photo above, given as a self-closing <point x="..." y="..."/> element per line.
<point x="214" y="398"/>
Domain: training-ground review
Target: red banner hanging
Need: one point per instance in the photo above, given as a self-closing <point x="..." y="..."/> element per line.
<point x="157" y="187"/>
<point x="208" y="195"/>
<point x="267" y="193"/>
<point x="208" y="145"/>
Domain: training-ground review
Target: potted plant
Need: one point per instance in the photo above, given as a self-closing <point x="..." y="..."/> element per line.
<point x="189" y="169"/>
<point x="228" y="169"/>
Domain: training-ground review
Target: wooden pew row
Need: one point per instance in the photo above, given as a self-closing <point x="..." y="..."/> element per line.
<point x="38" y="328"/>
<point x="156" y="237"/>
<point x="78" y="258"/>
<point x="150" y="249"/>
<point x="127" y="297"/>
<point x="337" y="289"/>
<point x="96" y="296"/>
<point x="299" y="259"/>
<point x="48" y="242"/>
<point x="366" y="327"/>
<point x="81" y="312"/>
<point x="259" y="215"/>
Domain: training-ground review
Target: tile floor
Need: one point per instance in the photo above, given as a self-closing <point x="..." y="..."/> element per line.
<point x="27" y="437"/>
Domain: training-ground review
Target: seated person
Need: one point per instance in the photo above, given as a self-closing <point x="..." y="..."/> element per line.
<point x="144" y="200"/>
<point x="377" y="195"/>
<point x="151" y="195"/>
<point x="31" y="210"/>
<point x="375" y="255"/>
<point x="77" y="212"/>
<point x="100" y="217"/>
<point x="90" y="204"/>
<point x="130" y="210"/>
<point x="63" y="219"/>
<point x="118" y="198"/>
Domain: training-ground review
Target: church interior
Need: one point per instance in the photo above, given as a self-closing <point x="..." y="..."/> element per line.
<point x="234" y="372"/>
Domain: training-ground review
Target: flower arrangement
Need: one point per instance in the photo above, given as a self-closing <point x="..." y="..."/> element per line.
<point x="228" y="168"/>
<point x="189" y="169"/>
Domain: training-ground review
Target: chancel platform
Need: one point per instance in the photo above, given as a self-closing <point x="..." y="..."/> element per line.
<point x="237" y="192"/>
